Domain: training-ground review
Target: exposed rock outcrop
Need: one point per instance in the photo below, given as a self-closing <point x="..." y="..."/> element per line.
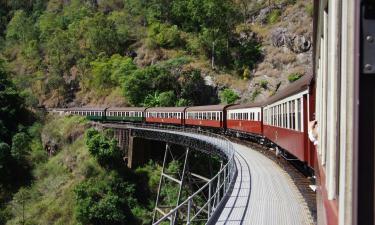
<point x="296" y="43"/>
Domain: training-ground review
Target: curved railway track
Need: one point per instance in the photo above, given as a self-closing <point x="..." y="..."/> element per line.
<point x="296" y="172"/>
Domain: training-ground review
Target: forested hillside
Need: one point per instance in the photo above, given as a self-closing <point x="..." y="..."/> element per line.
<point x="158" y="52"/>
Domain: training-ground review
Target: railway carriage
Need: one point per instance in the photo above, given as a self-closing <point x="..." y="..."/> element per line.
<point x="245" y="119"/>
<point x="167" y="115"/>
<point x="126" y="114"/>
<point x="206" y="116"/>
<point x="91" y="113"/>
<point x="286" y="117"/>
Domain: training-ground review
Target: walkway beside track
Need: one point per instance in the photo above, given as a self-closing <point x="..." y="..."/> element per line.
<point x="263" y="193"/>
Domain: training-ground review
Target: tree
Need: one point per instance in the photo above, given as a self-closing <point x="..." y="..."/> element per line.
<point x="167" y="98"/>
<point x="98" y="35"/>
<point x="4" y="158"/>
<point x="104" y="200"/>
<point x="20" y="199"/>
<point x="60" y="54"/>
<point x="228" y="96"/>
<point x="104" y="149"/>
<point x="12" y="108"/>
<point x="111" y="72"/>
<point x="20" y="146"/>
<point x="20" y="28"/>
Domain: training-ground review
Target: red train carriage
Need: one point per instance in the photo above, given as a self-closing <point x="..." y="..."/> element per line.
<point x="168" y="115"/>
<point x="245" y="118"/>
<point x="285" y="120"/>
<point x="206" y="116"/>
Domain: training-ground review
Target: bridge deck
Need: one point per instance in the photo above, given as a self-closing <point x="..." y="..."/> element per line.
<point x="263" y="194"/>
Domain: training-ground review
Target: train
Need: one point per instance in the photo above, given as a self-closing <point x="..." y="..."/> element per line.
<point x="280" y="122"/>
<point x="339" y="96"/>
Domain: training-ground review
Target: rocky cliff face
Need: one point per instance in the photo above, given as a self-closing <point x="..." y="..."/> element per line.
<point x="285" y="32"/>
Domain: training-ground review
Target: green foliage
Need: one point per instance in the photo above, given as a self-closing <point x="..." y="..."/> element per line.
<point x="294" y="76"/>
<point x="255" y="94"/>
<point x="264" y="84"/>
<point x="228" y="96"/>
<point x="111" y="72"/>
<point x="99" y="34"/>
<point x="183" y="102"/>
<point x="12" y="108"/>
<point x="164" y="99"/>
<point x="163" y="35"/>
<point x="60" y="131"/>
<point x="194" y="90"/>
<point x="5" y="157"/>
<point x="105" y="200"/>
<point x="152" y="170"/>
<point x="309" y="8"/>
<point x="20" y="28"/>
<point x="138" y="85"/>
<point x="274" y="16"/>
<point x="246" y="73"/>
<point x="105" y="150"/>
<point x="167" y="98"/>
<point x="20" y="146"/>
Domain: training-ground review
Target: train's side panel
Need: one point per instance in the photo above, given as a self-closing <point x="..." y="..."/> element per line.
<point x="254" y="127"/>
<point x="290" y="140"/>
<point x="205" y="123"/>
<point x="165" y="120"/>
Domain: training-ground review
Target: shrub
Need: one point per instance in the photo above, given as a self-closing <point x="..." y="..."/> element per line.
<point x="193" y="45"/>
<point x="183" y="102"/>
<point x="164" y="35"/>
<point x="274" y="16"/>
<point x="246" y="73"/>
<point x="263" y="84"/>
<point x="255" y="94"/>
<point x="228" y="96"/>
<point x="294" y="76"/>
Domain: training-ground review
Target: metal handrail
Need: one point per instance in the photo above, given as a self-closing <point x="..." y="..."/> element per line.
<point x="227" y="173"/>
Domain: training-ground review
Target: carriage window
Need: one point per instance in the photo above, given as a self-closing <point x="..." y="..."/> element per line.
<point x="280" y="116"/>
<point x="299" y="116"/>
<point x="274" y="116"/>
<point x="292" y="115"/>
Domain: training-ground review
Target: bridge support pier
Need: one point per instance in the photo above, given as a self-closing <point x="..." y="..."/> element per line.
<point x="135" y="150"/>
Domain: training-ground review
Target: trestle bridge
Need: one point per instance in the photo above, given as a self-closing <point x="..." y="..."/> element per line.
<point x="248" y="188"/>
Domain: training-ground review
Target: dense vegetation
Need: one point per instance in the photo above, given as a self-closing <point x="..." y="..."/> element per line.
<point x="19" y="146"/>
<point x="60" y="50"/>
